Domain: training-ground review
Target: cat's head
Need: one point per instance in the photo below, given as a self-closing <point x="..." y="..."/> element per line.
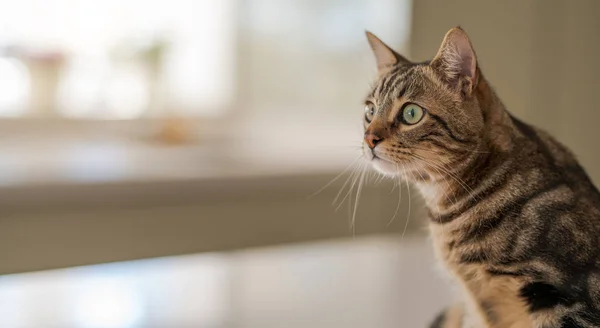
<point x="418" y="113"/>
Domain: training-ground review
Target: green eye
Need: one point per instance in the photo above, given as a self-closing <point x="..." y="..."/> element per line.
<point x="412" y="114"/>
<point x="369" y="112"/>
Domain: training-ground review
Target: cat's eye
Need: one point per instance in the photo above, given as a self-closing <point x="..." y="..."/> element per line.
<point x="412" y="114"/>
<point x="369" y="112"/>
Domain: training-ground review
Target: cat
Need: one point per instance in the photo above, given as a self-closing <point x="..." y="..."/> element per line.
<point x="514" y="218"/>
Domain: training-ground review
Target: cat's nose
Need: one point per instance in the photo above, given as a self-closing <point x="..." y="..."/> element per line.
<point x="372" y="139"/>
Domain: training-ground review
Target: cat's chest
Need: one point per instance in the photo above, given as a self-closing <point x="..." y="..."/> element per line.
<point x="443" y="246"/>
<point x="491" y="301"/>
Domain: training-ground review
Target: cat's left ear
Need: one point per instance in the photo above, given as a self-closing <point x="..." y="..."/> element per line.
<point x="385" y="56"/>
<point x="456" y="61"/>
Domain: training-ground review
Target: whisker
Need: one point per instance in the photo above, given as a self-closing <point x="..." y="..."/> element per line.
<point x="380" y="178"/>
<point x="399" y="199"/>
<point x="409" y="204"/>
<point x="440" y="164"/>
<point x="358" y="191"/>
<point x="371" y="176"/>
<point x="357" y="174"/>
<point x="459" y="180"/>
<point x="465" y="150"/>
<point x="450" y="174"/>
<point x="395" y="183"/>
<point x="334" y="179"/>
<point x="350" y="178"/>
<point x="437" y="187"/>
<point x="446" y="191"/>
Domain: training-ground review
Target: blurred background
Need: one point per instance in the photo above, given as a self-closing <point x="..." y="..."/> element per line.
<point x="174" y="163"/>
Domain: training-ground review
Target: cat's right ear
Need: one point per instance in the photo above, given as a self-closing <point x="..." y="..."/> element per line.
<point x="456" y="61"/>
<point x="385" y="56"/>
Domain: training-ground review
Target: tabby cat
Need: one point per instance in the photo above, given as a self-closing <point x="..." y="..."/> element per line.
<point x="513" y="216"/>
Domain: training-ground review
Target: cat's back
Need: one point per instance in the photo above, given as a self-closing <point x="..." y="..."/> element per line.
<point x="569" y="239"/>
<point x="541" y="150"/>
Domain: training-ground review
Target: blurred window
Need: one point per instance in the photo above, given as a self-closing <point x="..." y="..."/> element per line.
<point x="116" y="58"/>
<point x="127" y="59"/>
<point x="311" y="58"/>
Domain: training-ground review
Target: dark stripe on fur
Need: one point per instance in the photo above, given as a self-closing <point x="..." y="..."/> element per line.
<point x="447" y="128"/>
<point x="476" y="197"/>
<point x="439" y="321"/>
<point x="389" y="92"/>
<point x="384" y="85"/>
<point x="497" y="272"/>
<point x="488" y="311"/>
<point x="530" y="133"/>
<point x="509" y="209"/>
<point x="569" y="322"/>
<point x="542" y="296"/>
<point x="393" y="82"/>
<point x="438" y="143"/>
<point x="474" y="257"/>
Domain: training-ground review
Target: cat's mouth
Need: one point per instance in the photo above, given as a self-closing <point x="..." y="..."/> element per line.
<point x="378" y="156"/>
<point x="382" y="164"/>
<point x="379" y="160"/>
<point x="373" y="155"/>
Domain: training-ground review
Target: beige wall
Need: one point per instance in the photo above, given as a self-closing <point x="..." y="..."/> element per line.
<point x="541" y="56"/>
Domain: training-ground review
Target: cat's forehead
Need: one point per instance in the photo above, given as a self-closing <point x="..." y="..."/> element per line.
<point x="405" y="80"/>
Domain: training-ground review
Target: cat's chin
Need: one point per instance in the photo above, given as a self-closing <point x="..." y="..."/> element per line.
<point x="385" y="167"/>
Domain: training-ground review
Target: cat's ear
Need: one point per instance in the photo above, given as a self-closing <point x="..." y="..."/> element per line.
<point x="456" y="61"/>
<point x="385" y="56"/>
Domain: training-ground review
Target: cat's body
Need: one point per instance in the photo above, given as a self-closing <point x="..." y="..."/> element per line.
<point x="514" y="218"/>
<point x="524" y="242"/>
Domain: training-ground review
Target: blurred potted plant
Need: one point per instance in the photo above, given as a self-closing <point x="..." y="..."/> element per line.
<point x="150" y="54"/>
<point x="45" y="69"/>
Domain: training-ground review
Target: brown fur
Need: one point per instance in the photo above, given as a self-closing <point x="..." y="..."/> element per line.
<point x="514" y="218"/>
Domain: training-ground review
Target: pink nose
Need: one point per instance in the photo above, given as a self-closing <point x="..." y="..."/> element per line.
<point x="372" y="139"/>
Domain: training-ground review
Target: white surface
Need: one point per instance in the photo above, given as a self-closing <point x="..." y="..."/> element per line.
<point x="366" y="282"/>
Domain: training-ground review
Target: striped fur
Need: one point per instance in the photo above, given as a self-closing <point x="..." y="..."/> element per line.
<point x="514" y="217"/>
